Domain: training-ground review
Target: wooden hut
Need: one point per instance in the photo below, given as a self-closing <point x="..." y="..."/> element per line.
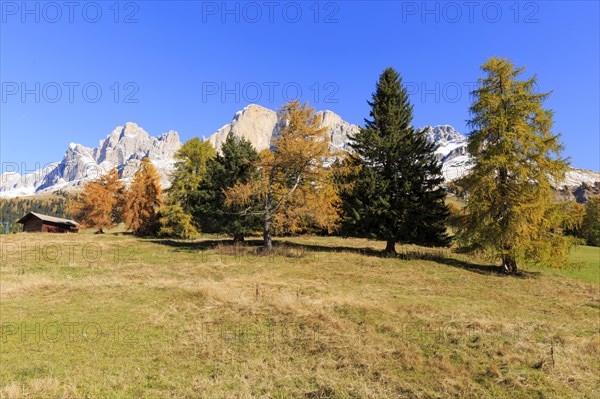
<point x="36" y="222"/>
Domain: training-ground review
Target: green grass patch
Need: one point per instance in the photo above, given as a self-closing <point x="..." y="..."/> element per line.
<point x="584" y="265"/>
<point x="113" y="316"/>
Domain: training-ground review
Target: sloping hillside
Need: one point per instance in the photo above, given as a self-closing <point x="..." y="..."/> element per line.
<point x="322" y="318"/>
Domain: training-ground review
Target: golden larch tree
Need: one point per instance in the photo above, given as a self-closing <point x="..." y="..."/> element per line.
<point x="295" y="187"/>
<point x="98" y="206"/>
<point x="144" y="197"/>
<point x="511" y="213"/>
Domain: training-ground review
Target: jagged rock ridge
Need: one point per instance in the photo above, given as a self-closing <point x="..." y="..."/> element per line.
<point x="125" y="146"/>
<point x="261" y="126"/>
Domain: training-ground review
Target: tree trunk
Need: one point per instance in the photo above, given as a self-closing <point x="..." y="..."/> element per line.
<point x="238" y="238"/>
<point x="509" y="265"/>
<point x="390" y="248"/>
<point x="267" y="241"/>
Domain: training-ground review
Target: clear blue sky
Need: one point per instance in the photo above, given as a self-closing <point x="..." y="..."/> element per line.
<point x="175" y="59"/>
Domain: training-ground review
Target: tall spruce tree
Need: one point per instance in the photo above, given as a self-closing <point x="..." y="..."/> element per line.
<point x="237" y="163"/>
<point x="510" y="211"/>
<point x="396" y="193"/>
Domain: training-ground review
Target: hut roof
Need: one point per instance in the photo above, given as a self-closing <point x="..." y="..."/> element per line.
<point x="46" y="218"/>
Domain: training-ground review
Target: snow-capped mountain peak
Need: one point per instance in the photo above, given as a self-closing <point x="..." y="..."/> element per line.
<point x="444" y="134"/>
<point x="123" y="148"/>
<point x="127" y="145"/>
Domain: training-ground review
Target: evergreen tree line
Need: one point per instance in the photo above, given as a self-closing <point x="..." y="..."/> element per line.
<point x="588" y="229"/>
<point x="389" y="187"/>
<point x="13" y="209"/>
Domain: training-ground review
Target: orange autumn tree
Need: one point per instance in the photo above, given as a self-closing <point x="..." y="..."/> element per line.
<point x="99" y="205"/>
<point x="144" y="197"/>
<point x="295" y="190"/>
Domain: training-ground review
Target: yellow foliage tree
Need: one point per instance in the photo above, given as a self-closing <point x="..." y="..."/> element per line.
<point x="98" y="206"/>
<point x="296" y="188"/>
<point x="511" y="213"/>
<point x="144" y="197"/>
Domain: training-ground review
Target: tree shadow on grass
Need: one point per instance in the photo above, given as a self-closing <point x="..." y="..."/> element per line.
<point x="482" y="268"/>
<point x="187" y="246"/>
<point x="438" y="255"/>
<point x="202" y="244"/>
<point x="291" y="249"/>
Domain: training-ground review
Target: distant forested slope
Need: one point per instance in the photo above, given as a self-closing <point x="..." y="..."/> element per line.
<point x="12" y="209"/>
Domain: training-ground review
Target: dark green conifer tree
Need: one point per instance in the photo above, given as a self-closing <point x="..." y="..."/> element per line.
<point x="396" y="192"/>
<point x="236" y="163"/>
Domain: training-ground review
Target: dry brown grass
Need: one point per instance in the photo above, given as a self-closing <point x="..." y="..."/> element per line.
<point x="320" y="318"/>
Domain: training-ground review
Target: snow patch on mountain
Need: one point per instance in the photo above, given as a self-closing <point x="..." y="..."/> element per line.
<point x="127" y="145"/>
<point x="123" y="149"/>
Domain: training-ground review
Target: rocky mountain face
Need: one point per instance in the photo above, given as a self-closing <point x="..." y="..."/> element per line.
<point x="582" y="193"/>
<point x="124" y="148"/>
<point x="451" y="144"/>
<point x="127" y="145"/>
<point x="261" y="126"/>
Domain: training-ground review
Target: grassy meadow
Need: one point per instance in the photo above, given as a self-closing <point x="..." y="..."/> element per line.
<point x="113" y="316"/>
